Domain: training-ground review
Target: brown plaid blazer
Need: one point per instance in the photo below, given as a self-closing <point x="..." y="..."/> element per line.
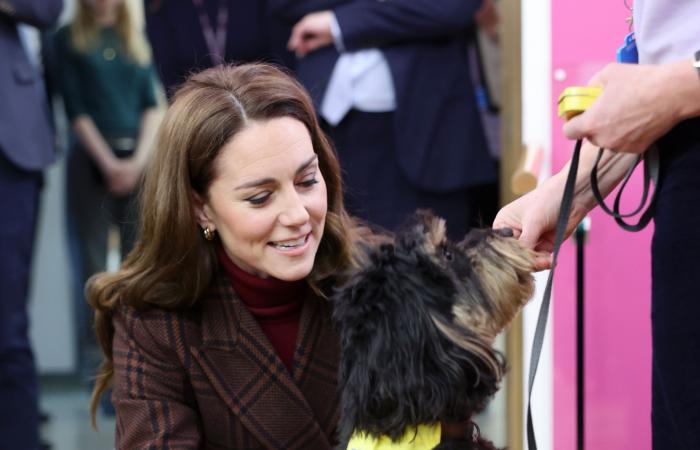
<point x="208" y="378"/>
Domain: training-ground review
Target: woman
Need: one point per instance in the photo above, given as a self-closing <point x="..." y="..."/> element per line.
<point x="106" y="80"/>
<point x="216" y="331"/>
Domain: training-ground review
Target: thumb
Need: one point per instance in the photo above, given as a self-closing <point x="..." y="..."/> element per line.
<point x="575" y="128"/>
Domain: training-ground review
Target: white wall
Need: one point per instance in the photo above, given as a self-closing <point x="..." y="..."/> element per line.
<point x="536" y="129"/>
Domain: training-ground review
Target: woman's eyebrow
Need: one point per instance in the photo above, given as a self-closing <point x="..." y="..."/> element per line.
<point x="305" y="165"/>
<point x="264" y="181"/>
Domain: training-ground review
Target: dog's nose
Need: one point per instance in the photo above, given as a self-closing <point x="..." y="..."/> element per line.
<point x="505" y="232"/>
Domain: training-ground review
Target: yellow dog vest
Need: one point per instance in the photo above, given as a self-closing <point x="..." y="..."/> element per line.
<point x="425" y="437"/>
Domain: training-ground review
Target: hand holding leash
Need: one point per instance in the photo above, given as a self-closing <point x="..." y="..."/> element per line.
<point x="634" y="107"/>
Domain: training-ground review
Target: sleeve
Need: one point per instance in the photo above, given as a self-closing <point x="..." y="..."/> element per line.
<point x="67" y="74"/>
<point x="152" y="397"/>
<point x="42" y="14"/>
<point x="381" y="22"/>
<point x="148" y="90"/>
<point x="291" y="11"/>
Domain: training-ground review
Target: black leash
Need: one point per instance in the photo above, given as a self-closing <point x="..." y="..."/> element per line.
<point x="651" y="175"/>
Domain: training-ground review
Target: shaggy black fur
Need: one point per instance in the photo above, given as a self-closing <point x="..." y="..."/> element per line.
<point x="397" y="368"/>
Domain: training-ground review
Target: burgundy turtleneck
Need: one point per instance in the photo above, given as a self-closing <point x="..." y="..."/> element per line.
<point x="274" y="303"/>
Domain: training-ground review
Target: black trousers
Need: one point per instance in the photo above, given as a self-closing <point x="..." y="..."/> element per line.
<point x="19" y="203"/>
<point x="676" y="295"/>
<point x="377" y="190"/>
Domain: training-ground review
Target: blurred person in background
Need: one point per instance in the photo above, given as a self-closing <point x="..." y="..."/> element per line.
<point x="393" y="84"/>
<point x="26" y="148"/>
<point x="107" y="83"/>
<point x="190" y="35"/>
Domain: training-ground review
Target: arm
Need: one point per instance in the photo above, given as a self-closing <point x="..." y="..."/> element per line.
<point x="291" y="11"/>
<point x="377" y="23"/>
<point x="152" y="397"/>
<point x="42" y="14"/>
<point x="374" y="24"/>
<point x="533" y="217"/>
<point x="150" y="119"/>
<point x="639" y="104"/>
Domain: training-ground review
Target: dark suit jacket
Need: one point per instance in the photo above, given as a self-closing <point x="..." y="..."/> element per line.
<point x="209" y="378"/>
<point x="179" y="47"/>
<point x="439" y="138"/>
<point x="26" y="136"/>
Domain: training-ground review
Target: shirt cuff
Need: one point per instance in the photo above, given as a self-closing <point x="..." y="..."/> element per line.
<point x="337" y="34"/>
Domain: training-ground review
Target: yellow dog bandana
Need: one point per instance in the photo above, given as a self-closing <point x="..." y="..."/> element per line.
<point x="425" y="437"/>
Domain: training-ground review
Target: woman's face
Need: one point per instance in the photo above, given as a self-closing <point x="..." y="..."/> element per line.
<point x="268" y="201"/>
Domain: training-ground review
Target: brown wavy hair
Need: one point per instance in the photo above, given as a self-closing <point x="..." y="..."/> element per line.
<point x="171" y="265"/>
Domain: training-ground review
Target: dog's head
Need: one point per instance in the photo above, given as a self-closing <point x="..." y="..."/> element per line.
<point x="417" y="323"/>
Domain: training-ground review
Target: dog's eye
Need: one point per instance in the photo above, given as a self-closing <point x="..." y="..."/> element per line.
<point x="447" y="254"/>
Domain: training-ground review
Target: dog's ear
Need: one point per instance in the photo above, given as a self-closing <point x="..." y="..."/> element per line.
<point x="421" y="231"/>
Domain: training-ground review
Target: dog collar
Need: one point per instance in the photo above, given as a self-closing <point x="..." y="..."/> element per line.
<point x="424" y="437"/>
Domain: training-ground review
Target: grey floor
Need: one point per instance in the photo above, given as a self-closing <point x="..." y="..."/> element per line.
<point x="68" y="428"/>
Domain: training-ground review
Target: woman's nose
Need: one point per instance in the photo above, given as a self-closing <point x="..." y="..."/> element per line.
<point x="294" y="212"/>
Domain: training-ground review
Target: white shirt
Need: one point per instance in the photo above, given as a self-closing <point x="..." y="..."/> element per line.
<point x="666" y="30"/>
<point x="360" y="80"/>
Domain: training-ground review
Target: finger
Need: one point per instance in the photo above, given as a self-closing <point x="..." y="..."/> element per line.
<point x="312" y="43"/>
<point x="542" y="261"/>
<point x="499" y="223"/>
<point x="295" y="38"/>
<point x="574" y="128"/>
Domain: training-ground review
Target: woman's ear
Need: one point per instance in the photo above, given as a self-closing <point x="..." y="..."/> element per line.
<point x="202" y="212"/>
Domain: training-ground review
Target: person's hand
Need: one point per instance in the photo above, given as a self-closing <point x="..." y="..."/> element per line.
<point x="639" y="104"/>
<point x="312" y="32"/>
<point x="533" y="219"/>
<point x="122" y="175"/>
<point x="487" y="19"/>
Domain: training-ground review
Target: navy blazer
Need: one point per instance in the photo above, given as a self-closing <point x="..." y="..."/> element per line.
<point x="441" y="145"/>
<point x="178" y="42"/>
<point x="26" y="135"/>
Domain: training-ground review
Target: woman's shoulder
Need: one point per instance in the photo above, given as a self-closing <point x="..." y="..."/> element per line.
<point x="156" y="329"/>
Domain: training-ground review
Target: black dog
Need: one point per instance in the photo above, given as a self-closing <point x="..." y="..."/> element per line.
<point x="417" y="324"/>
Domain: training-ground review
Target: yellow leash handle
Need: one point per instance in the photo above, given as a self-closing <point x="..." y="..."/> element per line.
<point x="575" y="100"/>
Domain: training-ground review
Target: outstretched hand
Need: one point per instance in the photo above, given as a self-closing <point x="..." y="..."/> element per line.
<point x="533" y="219"/>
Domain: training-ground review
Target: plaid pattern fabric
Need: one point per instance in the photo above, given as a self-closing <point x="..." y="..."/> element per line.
<point x="209" y="378"/>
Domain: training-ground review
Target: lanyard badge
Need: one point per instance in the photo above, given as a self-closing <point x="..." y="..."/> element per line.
<point x="628" y="52"/>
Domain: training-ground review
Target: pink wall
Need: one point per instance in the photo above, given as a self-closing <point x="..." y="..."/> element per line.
<point x="585" y="36"/>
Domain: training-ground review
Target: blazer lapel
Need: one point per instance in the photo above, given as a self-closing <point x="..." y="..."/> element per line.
<point x="246" y="373"/>
<point x="316" y="361"/>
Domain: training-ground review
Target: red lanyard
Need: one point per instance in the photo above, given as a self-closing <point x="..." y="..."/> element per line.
<point x="215" y="39"/>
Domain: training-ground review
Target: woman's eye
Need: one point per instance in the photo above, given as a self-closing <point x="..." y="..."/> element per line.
<point x="308" y="183"/>
<point x="258" y="199"/>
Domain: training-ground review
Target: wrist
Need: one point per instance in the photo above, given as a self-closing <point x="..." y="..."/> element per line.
<point x="684" y="80"/>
